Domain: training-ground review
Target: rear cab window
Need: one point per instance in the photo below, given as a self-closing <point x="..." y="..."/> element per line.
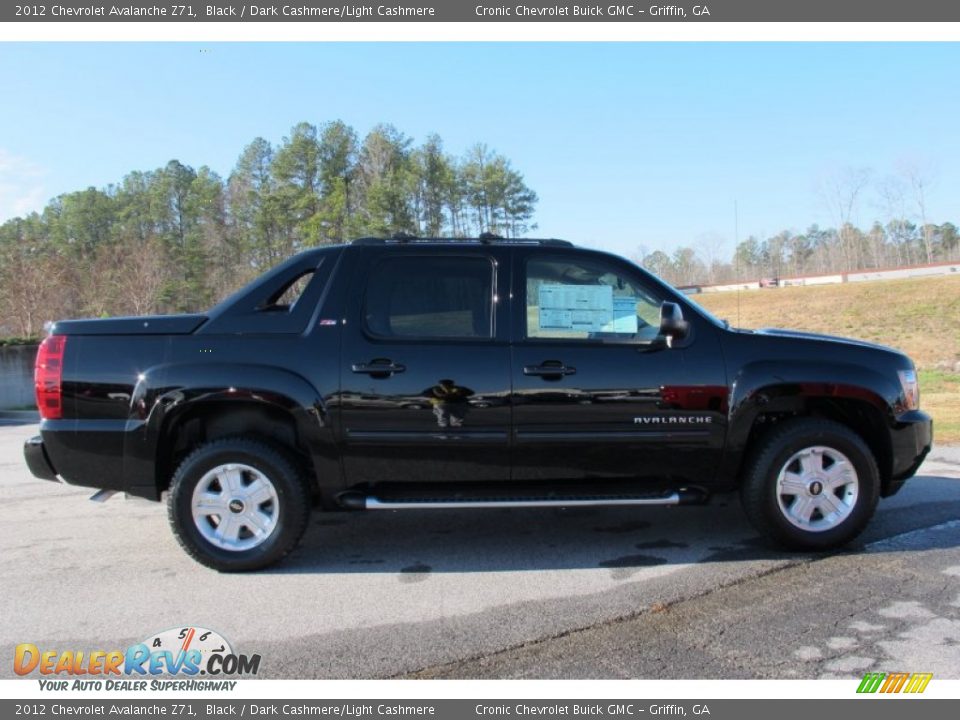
<point x="283" y="301"/>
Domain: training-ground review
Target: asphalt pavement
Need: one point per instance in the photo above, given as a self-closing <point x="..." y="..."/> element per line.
<point x="594" y="592"/>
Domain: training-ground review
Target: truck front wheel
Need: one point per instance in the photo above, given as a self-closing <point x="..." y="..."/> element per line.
<point x="238" y="504"/>
<point x="811" y="484"/>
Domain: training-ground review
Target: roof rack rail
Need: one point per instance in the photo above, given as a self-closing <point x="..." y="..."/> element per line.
<point x="484" y="239"/>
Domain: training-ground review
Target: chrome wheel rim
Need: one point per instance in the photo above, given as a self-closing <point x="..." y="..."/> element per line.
<point x="817" y="488"/>
<point x="235" y="507"/>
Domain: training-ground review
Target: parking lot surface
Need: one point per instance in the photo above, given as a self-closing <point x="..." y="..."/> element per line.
<point x="595" y="592"/>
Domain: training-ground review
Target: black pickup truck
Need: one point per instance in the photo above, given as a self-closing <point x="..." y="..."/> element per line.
<point x="396" y="374"/>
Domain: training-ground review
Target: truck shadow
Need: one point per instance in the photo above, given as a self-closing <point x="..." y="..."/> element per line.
<point x="417" y="543"/>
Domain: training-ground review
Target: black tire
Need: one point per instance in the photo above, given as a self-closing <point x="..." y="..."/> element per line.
<point x="774" y="514"/>
<point x="288" y="513"/>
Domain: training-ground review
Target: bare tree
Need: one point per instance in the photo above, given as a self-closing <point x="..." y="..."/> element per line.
<point x="136" y="278"/>
<point x="893" y="204"/>
<point x="29" y="291"/>
<point x="710" y="247"/>
<point x="841" y="193"/>
<point x="919" y="176"/>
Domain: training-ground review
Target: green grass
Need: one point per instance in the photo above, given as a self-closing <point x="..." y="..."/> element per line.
<point x="920" y="316"/>
<point x="940" y="396"/>
<point x="938" y="381"/>
<point x="11" y="341"/>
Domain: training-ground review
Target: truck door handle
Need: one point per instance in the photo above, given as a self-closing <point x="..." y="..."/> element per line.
<point x="549" y="370"/>
<point x="378" y="368"/>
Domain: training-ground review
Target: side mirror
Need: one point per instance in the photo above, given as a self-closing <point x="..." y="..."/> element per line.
<point x="672" y="325"/>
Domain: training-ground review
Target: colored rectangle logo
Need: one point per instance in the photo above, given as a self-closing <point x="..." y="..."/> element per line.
<point x="896" y="682"/>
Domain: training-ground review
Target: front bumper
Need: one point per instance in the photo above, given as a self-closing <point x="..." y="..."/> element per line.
<point x="911" y="439"/>
<point x="37" y="460"/>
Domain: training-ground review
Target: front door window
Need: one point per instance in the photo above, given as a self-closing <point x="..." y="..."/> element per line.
<point x="570" y="299"/>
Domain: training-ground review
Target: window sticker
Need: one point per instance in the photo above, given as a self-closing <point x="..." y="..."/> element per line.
<point x="587" y="308"/>
<point x="624" y="316"/>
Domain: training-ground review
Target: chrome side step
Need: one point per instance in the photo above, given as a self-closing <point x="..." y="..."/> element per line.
<point x="372" y="503"/>
<point x="357" y="501"/>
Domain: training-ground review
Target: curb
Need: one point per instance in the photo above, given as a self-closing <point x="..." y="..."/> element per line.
<point x="19" y="416"/>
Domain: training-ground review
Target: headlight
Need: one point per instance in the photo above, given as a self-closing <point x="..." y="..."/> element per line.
<point x="911" y="389"/>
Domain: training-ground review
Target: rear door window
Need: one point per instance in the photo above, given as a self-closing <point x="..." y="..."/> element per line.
<point x="428" y="297"/>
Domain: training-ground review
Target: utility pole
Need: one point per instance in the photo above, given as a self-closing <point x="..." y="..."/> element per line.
<point x="736" y="254"/>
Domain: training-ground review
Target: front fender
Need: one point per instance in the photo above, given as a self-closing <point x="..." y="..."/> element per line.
<point x="776" y="387"/>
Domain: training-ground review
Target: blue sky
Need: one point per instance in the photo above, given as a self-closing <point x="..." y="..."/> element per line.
<point x="627" y="144"/>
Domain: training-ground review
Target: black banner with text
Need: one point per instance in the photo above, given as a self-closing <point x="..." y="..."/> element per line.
<point x="481" y="709"/>
<point x="484" y="11"/>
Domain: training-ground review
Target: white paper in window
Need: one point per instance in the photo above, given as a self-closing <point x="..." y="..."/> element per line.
<point x="586" y="308"/>
<point x="624" y="316"/>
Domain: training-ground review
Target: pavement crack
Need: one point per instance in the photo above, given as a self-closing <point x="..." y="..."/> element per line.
<point x="429" y="670"/>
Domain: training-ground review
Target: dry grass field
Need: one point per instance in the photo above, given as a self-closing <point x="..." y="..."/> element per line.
<point x="919" y="316"/>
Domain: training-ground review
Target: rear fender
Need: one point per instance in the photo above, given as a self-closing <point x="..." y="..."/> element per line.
<point x="165" y="393"/>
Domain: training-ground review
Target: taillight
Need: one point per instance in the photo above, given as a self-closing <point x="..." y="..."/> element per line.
<point x="48" y="377"/>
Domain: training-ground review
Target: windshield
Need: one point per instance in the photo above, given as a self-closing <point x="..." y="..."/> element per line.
<point x="709" y="315"/>
<point x="697" y="307"/>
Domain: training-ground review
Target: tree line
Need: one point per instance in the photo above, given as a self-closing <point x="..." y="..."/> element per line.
<point x="901" y="235"/>
<point x="816" y="251"/>
<point x="176" y="239"/>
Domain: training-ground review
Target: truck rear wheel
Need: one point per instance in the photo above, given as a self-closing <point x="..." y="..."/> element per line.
<point x="238" y="504"/>
<point x="811" y="484"/>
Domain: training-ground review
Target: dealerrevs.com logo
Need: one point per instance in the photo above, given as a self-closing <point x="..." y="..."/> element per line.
<point x="187" y="652"/>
